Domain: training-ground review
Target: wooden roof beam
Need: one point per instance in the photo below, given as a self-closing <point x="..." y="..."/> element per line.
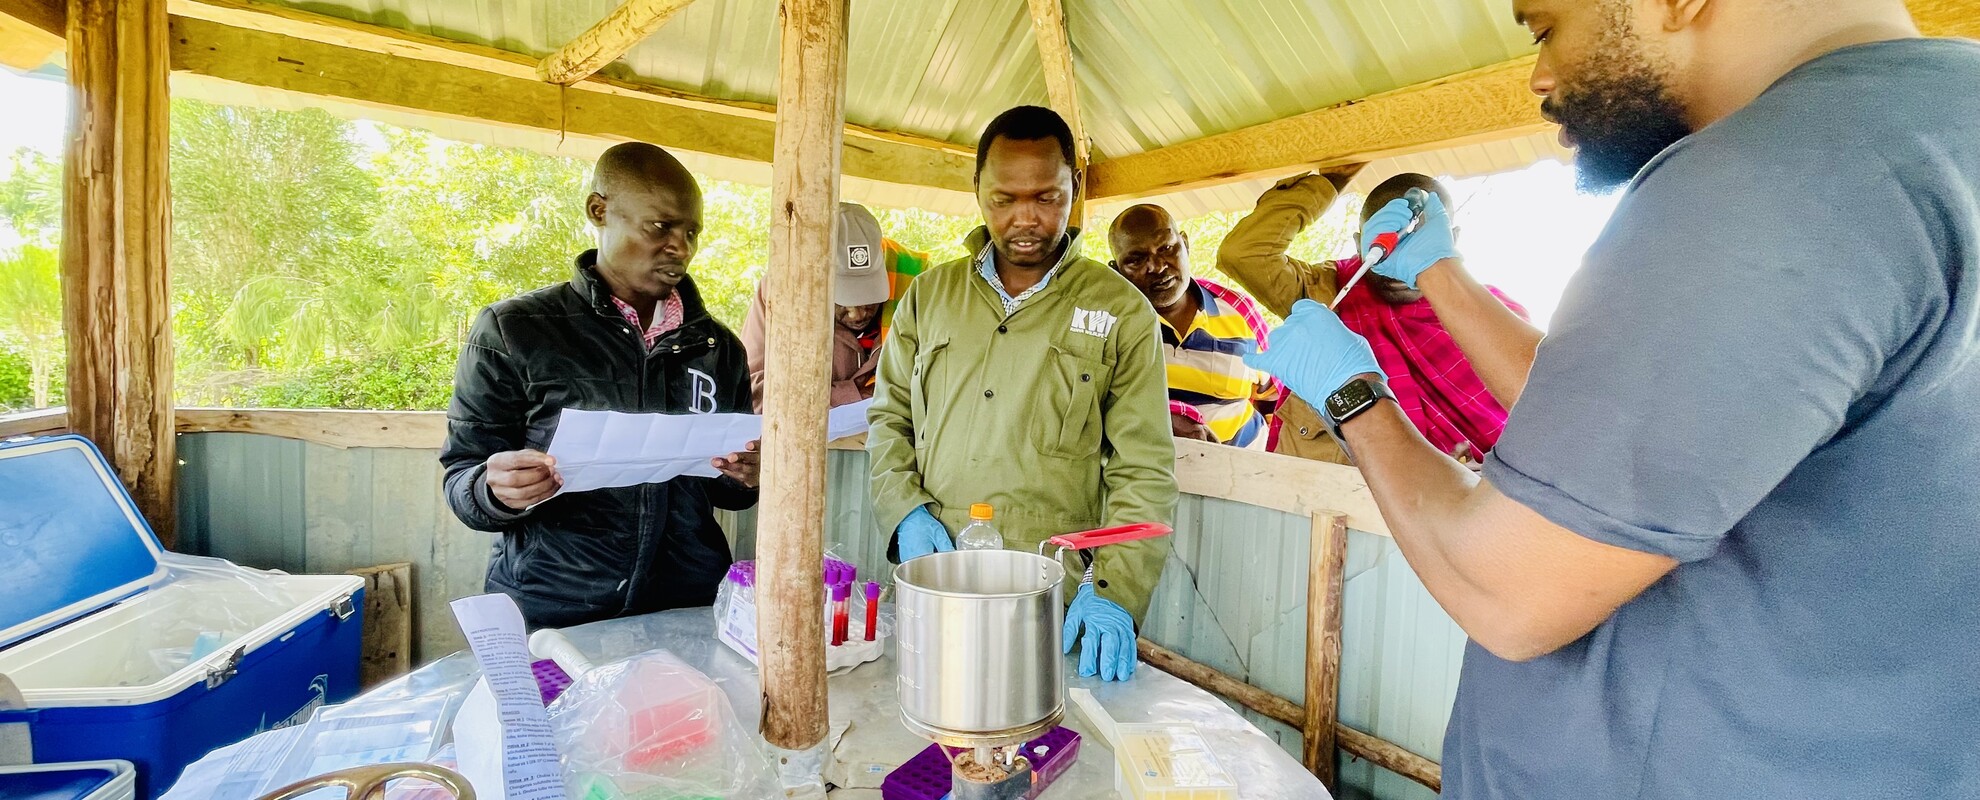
<point x="31" y="32"/>
<point x="259" y="58"/>
<point x="606" y="41"/>
<point x="1048" y="26"/>
<point x="477" y="77"/>
<point x="1486" y="104"/>
<point x="1481" y="105"/>
<point x="297" y="24"/>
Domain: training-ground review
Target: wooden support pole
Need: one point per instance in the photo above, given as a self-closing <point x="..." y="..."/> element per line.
<point x="1326" y="574"/>
<point x="611" y="37"/>
<point x="116" y="306"/>
<point x="804" y="194"/>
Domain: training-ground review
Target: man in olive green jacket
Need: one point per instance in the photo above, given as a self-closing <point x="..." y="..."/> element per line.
<point x="1029" y="378"/>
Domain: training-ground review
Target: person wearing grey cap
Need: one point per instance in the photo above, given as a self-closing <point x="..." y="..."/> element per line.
<point x="866" y="269"/>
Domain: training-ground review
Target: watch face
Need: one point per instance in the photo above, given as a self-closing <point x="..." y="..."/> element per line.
<point x="1350" y="398"/>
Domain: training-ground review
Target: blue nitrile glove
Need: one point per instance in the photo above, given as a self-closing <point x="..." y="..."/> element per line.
<point x="1313" y="354"/>
<point x="920" y="534"/>
<point x="1432" y="242"/>
<point x="1108" y="646"/>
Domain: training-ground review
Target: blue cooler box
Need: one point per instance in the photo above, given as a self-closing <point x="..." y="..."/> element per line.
<point x="84" y="602"/>
<point x="97" y="780"/>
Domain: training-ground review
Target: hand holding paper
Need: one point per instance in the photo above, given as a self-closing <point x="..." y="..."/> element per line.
<point x="600" y="449"/>
<point x="522" y="478"/>
<point x="741" y="466"/>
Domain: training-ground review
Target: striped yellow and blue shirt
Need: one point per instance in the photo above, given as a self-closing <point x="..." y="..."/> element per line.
<point x="1208" y="379"/>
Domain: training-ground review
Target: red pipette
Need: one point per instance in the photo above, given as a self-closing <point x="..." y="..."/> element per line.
<point x="1385" y="243"/>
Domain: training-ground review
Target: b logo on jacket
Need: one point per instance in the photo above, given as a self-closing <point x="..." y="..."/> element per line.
<point x="702" y="401"/>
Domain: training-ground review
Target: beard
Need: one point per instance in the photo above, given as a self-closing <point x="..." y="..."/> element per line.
<point x="1620" y="111"/>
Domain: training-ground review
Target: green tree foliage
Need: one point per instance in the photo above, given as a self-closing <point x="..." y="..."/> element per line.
<point x="319" y="262"/>
<point x="31" y="344"/>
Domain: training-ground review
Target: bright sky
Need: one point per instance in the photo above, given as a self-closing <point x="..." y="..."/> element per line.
<point x="1525" y="233"/>
<point x="37" y="112"/>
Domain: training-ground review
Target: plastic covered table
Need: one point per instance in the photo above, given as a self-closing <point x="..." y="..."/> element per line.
<point x="868" y="740"/>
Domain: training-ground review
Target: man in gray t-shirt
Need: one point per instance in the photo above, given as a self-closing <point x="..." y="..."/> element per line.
<point x="1729" y="544"/>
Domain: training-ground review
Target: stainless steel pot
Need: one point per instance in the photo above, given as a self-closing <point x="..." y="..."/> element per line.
<point x="978" y="636"/>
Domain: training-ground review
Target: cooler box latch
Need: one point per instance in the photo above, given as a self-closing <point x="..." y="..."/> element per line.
<point x="226" y="670"/>
<point x="344" y="607"/>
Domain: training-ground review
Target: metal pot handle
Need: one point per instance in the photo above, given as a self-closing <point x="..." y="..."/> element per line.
<point x="369" y="781"/>
<point x="1086" y="540"/>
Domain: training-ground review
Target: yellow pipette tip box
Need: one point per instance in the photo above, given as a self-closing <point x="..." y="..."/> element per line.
<point x="1169" y="762"/>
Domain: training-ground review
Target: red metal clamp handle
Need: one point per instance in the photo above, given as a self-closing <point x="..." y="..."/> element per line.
<point x="1106" y="536"/>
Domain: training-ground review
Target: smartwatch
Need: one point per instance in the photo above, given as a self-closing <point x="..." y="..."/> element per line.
<point x="1350" y="401"/>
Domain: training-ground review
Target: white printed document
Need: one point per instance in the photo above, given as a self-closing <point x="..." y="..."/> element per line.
<point x="600" y="449"/>
<point x="502" y="733"/>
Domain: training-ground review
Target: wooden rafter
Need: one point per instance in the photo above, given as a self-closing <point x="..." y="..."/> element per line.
<point x="319" y="28"/>
<point x="1481" y="105"/>
<point x="611" y="37"/>
<point x="1486" y="104"/>
<point x="1048" y="26"/>
<point x="30" y="32"/>
<point x="265" y="59"/>
<point x="272" y="18"/>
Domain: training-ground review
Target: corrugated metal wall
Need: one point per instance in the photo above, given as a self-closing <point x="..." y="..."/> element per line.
<point x="1233" y="595"/>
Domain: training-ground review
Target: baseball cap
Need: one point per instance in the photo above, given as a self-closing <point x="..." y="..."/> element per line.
<point x="860" y="274"/>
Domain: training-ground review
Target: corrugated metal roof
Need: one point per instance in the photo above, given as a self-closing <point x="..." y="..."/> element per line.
<point x="1159" y="72"/>
<point x="1151" y="72"/>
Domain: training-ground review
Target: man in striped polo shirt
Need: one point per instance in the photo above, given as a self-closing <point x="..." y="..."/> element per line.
<point x="1206" y="332"/>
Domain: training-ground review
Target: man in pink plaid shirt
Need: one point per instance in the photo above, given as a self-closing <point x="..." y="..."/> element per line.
<point x="1433" y="382"/>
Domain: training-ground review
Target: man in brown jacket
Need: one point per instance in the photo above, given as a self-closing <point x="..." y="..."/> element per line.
<point x="1433" y="381"/>
<point x="872" y="274"/>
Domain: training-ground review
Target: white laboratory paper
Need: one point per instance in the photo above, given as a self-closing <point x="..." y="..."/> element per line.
<point x="847" y="420"/>
<point x="502" y="733"/>
<point x="602" y="449"/>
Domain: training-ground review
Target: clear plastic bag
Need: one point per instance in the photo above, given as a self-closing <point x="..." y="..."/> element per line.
<point x="212" y="603"/>
<point x="651" y="727"/>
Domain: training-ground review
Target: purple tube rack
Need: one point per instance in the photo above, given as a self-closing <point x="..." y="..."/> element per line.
<point x="927" y="775"/>
<point x="550" y="679"/>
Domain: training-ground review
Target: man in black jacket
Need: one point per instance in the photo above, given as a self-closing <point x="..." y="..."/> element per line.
<point x="629" y="333"/>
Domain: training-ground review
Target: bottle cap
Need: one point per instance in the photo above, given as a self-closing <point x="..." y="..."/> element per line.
<point x="980" y="511"/>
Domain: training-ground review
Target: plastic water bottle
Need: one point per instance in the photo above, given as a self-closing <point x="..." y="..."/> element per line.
<point x="979" y="534"/>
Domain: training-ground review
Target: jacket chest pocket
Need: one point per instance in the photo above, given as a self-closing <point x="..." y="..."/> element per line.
<point x="1071" y="383"/>
<point x="930" y="368"/>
